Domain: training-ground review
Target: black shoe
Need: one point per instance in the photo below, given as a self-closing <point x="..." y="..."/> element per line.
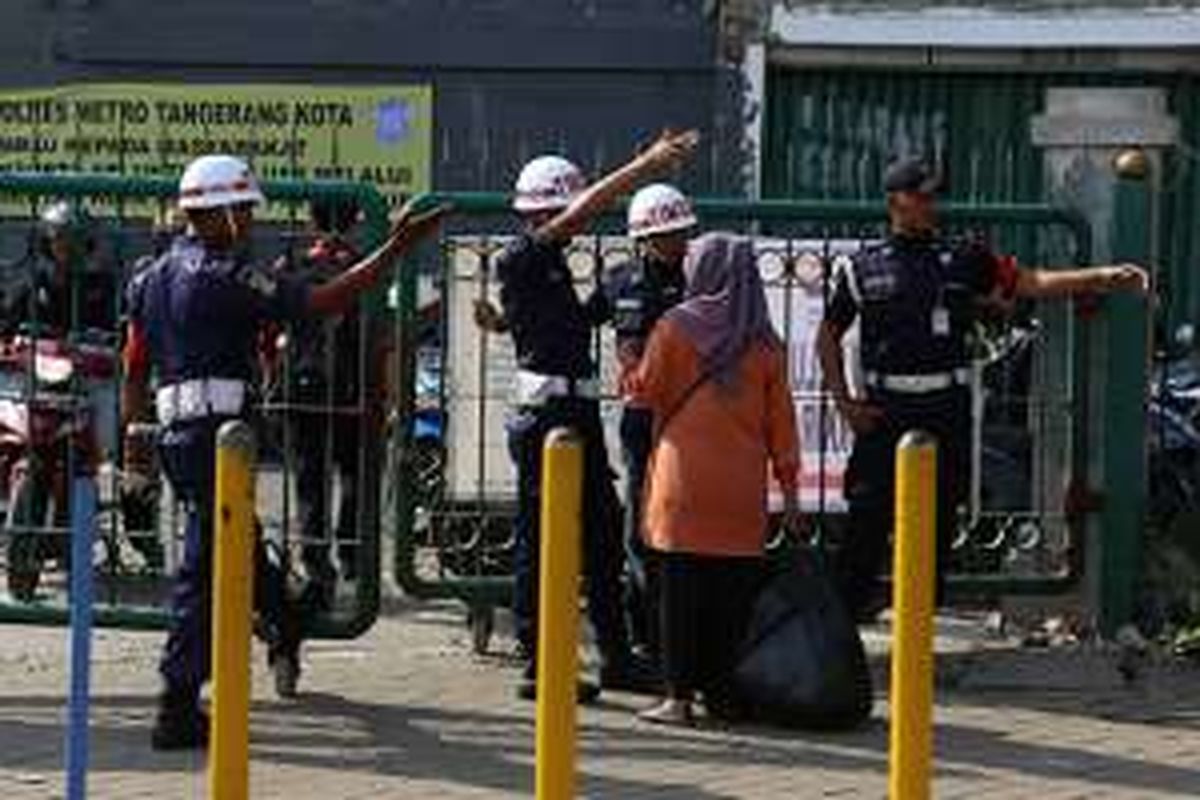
<point x="586" y="692"/>
<point x="179" y="726"/>
<point x="287" y="675"/>
<point x="631" y="674"/>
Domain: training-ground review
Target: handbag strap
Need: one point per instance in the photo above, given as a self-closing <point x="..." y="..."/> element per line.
<point x="660" y="423"/>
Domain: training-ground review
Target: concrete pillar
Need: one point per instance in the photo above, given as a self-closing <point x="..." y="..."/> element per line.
<point x="1082" y="133"/>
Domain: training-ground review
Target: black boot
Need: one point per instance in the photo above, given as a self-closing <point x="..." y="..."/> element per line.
<point x="179" y="723"/>
<point x="283" y="655"/>
<point x="286" y="667"/>
<point x="279" y="621"/>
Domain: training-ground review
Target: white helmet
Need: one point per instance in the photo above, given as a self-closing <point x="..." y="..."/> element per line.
<point x="216" y="181"/>
<point x="659" y="208"/>
<point x="548" y="183"/>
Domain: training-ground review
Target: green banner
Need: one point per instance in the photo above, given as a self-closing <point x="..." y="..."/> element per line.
<point x="379" y="134"/>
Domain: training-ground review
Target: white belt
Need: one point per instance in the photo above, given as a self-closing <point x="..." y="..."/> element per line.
<point x="534" y="389"/>
<point x="919" y="384"/>
<point x="199" y="398"/>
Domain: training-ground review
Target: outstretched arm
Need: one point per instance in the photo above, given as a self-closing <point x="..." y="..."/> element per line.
<point x="1067" y="282"/>
<point x="338" y="295"/>
<point x="670" y="150"/>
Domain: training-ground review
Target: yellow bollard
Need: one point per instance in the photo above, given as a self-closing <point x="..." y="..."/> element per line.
<point x="912" y="646"/>
<point x="233" y="597"/>
<point x="558" y="614"/>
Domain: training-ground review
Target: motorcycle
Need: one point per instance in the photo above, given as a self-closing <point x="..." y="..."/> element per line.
<point x="1173" y="416"/>
<point x="47" y="437"/>
<point x="1171" y="591"/>
<point x="427" y="425"/>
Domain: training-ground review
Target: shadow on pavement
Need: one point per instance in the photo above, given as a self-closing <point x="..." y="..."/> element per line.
<point x="493" y="749"/>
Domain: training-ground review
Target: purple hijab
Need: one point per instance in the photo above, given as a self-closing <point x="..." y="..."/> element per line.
<point x="724" y="310"/>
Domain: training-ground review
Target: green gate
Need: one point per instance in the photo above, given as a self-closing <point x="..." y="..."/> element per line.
<point x="454" y="491"/>
<point x="133" y="560"/>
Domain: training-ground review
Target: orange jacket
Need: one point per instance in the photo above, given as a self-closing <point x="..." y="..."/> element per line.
<point x="707" y="477"/>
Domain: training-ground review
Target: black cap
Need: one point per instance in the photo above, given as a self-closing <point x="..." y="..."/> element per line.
<point x="913" y="175"/>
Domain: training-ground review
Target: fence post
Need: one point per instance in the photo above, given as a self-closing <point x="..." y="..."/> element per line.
<point x="83" y="518"/>
<point x="233" y="593"/>
<point x="1124" y="443"/>
<point x="558" y="614"/>
<point x="912" y="646"/>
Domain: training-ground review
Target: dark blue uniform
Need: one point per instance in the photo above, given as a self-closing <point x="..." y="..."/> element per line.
<point x="639" y="293"/>
<point x="200" y="315"/>
<point x="916" y="299"/>
<point x="552" y="332"/>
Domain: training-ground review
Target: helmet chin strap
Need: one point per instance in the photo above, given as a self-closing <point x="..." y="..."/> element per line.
<point x="230" y="223"/>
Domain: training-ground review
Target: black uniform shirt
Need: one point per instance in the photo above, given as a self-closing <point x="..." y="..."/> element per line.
<point x="639" y="293"/>
<point x="551" y="327"/>
<point x="916" y="298"/>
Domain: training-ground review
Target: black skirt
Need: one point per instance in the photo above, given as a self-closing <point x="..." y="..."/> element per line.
<point x="705" y="605"/>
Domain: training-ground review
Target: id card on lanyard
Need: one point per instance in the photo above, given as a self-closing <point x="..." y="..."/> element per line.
<point x="939" y="318"/>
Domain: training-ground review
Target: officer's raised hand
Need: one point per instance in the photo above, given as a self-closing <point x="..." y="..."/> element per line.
<point x="668" y="152"/>
<point x="671" y="150"/>
<point x="409" y="227"/>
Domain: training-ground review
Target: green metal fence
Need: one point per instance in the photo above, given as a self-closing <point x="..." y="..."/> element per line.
<point x="133" y="596"/>
<point x="454" y="495"/>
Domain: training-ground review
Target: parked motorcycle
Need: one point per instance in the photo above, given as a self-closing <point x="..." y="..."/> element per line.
<point x="427" y="426"/>
<point x="1170" y="597"/>
<point x="46" y="438"/>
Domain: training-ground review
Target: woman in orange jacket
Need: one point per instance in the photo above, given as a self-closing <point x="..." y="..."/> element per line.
<point x="714" y="374"/>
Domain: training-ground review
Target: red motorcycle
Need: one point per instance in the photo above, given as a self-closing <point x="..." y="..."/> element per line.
<point x="47" y="436"/>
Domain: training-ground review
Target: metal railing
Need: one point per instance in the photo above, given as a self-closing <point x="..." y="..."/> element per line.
<point x="130" y="598"/>
<point x="453" y="495"/>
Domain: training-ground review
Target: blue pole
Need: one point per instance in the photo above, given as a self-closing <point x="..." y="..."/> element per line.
<point x="83" y="515"/>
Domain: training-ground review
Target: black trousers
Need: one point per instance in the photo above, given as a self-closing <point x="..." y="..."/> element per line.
<point x="325" y="445"/>
<point x="705" y="605"/>
<point x="871" y="480"/>
<point x="189" y="460"/>
<point x="637" y="434"/>
<point x="602" y="550"/>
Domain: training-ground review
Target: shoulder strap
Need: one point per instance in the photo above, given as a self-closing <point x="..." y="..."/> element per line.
<point x="660" y="423"/>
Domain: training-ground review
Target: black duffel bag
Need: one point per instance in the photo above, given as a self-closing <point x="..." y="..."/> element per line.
<point x="802" y="663"/>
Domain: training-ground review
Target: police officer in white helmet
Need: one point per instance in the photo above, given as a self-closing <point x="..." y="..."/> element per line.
<point x="557" y="386"/>
<point x="660" y="222"/>
<point x="194" y="316"/>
